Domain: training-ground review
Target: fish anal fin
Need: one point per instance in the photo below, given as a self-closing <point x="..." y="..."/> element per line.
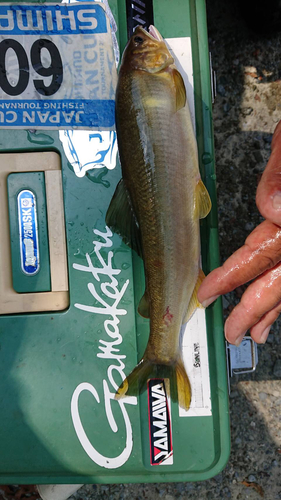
<point x="144" y="306"/>
<point x="194" y="303"/>
<point x="121" y="218"/>
<point x="202" y="202"/>
<point x="180" y="89"/>
<point x="183" y="385"/>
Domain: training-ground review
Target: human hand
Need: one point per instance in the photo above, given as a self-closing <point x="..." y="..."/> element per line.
<point x="259" y="259"/>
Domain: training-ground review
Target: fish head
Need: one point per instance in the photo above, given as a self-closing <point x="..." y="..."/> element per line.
<point x="146" y="51"/>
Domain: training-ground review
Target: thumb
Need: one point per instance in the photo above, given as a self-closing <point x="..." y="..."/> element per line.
<point x="268" y="196"/>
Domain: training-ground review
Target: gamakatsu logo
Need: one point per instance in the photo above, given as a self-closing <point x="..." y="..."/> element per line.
<point x="161" y="449"/>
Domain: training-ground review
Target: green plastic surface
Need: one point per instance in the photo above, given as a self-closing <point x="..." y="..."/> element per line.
<point x="45" y="357"/>
<point x="41" y="281"/>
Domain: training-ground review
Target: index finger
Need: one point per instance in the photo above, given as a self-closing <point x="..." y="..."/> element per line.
<point x="268" y="196"/>
<point x="261" y="251"/>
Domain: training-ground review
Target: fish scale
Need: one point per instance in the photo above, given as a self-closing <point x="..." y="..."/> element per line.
<point x="148" y="183"/>
<point x="158" y="155"/>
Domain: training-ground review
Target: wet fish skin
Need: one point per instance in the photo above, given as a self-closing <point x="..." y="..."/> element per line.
<point x="161" y="180"/>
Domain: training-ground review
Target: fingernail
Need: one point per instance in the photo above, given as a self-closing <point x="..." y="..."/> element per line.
<point x="209" y="301"/>
<point x="239" y="339"/>
<point x="276" y="200"/>
<point x="264" y="335"/>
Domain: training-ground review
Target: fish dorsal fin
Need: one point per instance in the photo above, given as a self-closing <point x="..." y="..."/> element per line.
<point x="194" y="303"/>
<point x="180" y="90"/>
<point x="144" y="307"/>
<point x="121" y="218"/>
<point x="203" y="202"/>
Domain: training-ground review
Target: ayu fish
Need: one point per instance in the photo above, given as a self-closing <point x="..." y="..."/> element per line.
<point x="158" y="203"/>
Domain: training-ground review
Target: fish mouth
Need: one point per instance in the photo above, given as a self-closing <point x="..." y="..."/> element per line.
<point x="155" y="33"/>
<point x="152" y="33"/>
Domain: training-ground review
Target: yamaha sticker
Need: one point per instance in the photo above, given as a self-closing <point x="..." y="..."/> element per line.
<point x="28" y="231"/>
<point x="160" y="428"/>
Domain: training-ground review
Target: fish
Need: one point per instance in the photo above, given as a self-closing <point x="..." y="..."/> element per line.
<point x="158" y="202"/>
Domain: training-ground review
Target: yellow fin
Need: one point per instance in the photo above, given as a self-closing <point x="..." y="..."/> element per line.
<point x="203" y="202"/>
<point x="180" y="90"/>
<point x="183" y="385"/>
<point x="144" y="307"/>
<point x="194" y="303"/>
<point x="136" y="382"/>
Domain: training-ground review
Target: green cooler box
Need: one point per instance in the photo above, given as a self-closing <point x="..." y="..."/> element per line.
<point x="69" y="288"/>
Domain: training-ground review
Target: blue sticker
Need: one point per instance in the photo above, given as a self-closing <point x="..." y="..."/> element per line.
<point x="67" y="113"/>
<point x="57" y="67"/>
<point x="28" y="232"/>
<point x="52" y="19"/>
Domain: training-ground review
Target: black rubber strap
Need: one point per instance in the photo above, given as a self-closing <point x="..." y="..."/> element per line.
<point x="139" y="13"/>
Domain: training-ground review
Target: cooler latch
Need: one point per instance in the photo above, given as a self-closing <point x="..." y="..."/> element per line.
<point x="242" y="359"/>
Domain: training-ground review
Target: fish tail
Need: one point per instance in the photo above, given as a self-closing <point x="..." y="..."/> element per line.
<point x="136" y="381"/>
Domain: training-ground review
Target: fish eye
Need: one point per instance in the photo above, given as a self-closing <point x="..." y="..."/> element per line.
<point x="138" y="39"/>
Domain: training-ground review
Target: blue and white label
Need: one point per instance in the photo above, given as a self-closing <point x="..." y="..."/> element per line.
<point x="52" y="19"/>
<point x="28" y="232"/>
<point x="57" y="67"/>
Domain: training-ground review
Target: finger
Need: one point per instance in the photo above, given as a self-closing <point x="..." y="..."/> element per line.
<point x="262" y="251"/>
<point x="260" y="330"/>
<point x="260" y="297"/>
<point x="268" y="196"/>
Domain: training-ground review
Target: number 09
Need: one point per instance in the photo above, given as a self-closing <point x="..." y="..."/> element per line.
<point x="54" y="69"/>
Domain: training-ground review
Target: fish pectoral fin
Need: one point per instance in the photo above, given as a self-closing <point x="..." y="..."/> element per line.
<point x="144" y="306"/>
<point x="180" y="90"/>
<point x="203" y="202"/>
<point x="194" y="303"/>
<point x="121" y="218"/>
